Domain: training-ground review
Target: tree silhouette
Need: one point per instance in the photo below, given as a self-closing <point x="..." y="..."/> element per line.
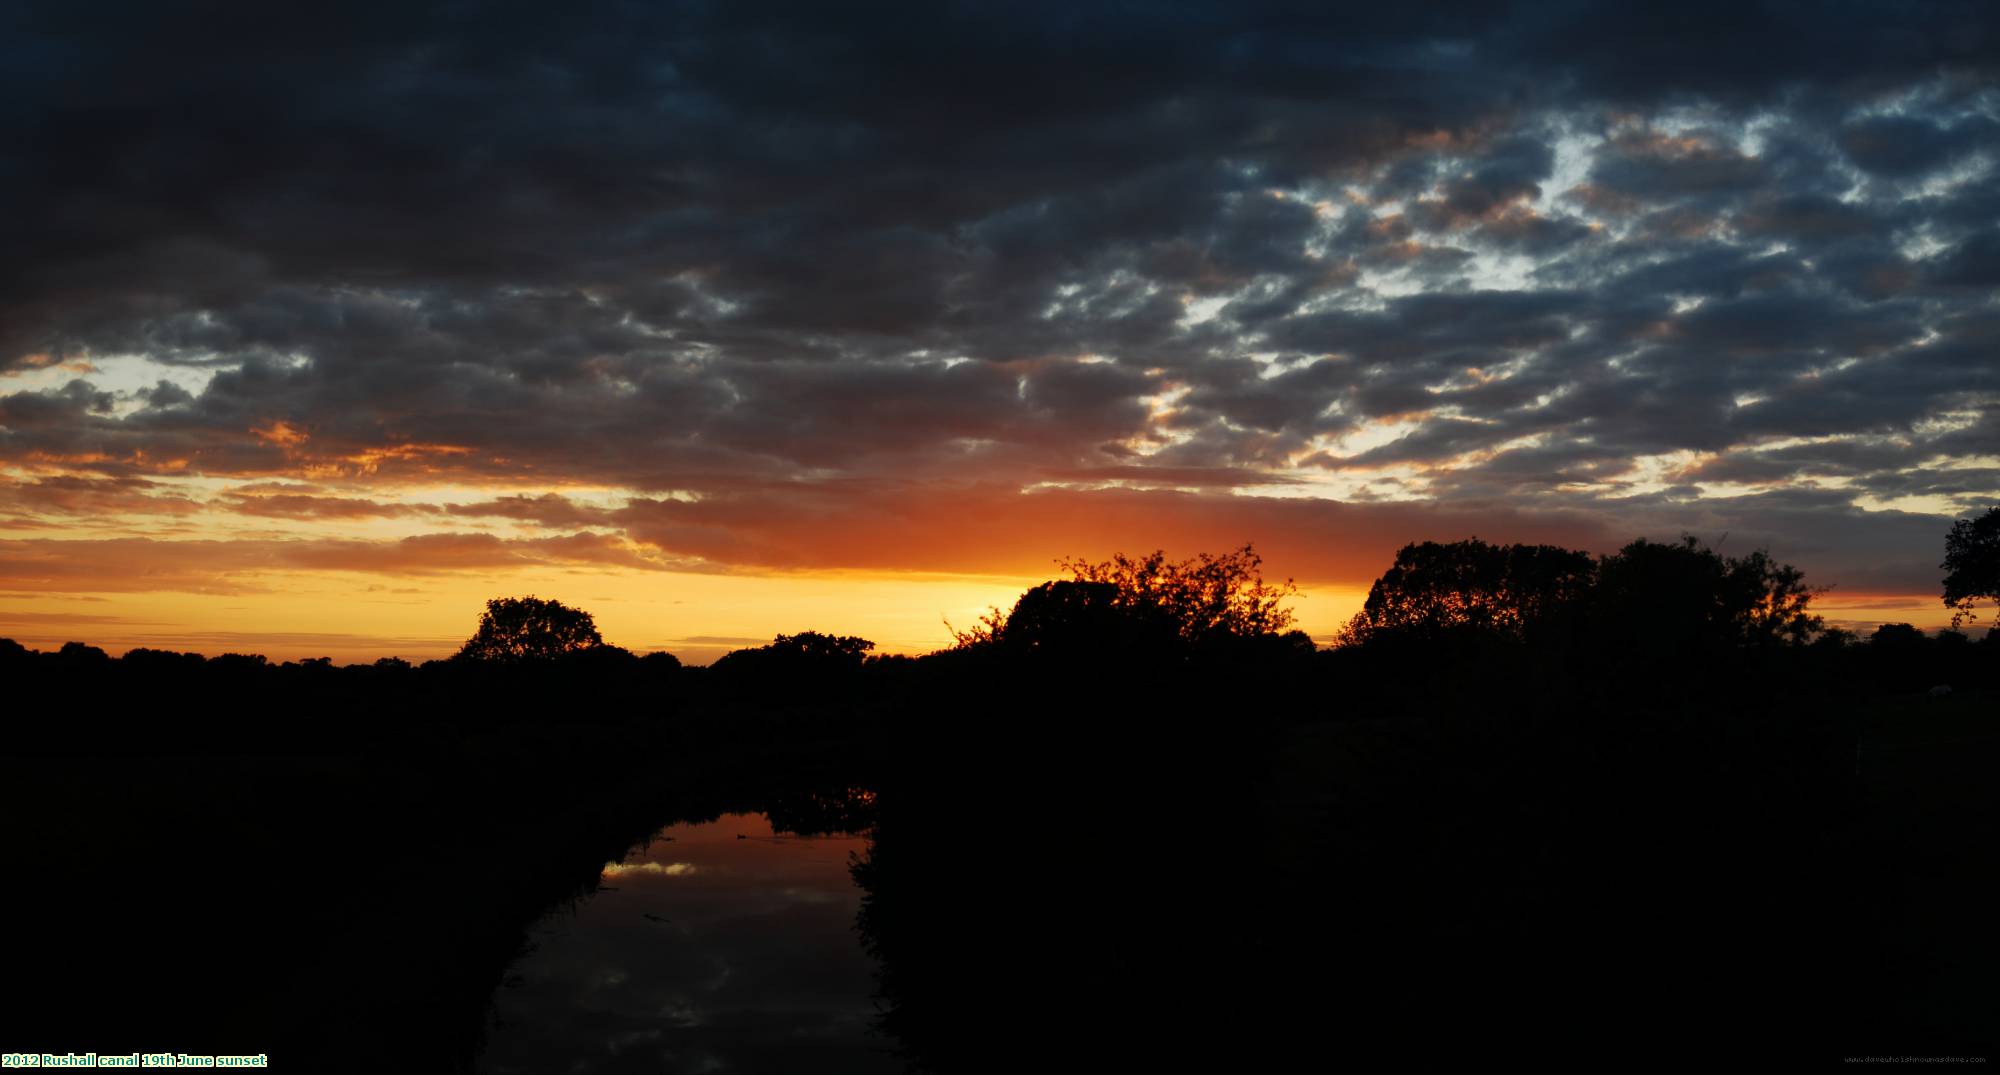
<point x="1205" y="598"/>
<point x="1471" y="586"/>
<point x="514" y="629"/>
<point x="834" y="649"/>
<point x="1686" y="594"/>
<point x="1074" y="617"/>
<point x="1972" y="558"/>
<point x="1650" y="602"/>
<point x="807" y="654"/>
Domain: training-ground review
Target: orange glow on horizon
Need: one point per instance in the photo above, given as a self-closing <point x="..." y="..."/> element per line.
<point x="697" y="617"/>
<point x="401" y="565"/>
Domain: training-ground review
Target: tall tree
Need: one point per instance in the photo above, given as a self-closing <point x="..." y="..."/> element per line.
<point x="1972" y="560"/>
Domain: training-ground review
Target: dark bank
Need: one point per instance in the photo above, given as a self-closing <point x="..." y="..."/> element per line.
<point x="1536" y="803"/>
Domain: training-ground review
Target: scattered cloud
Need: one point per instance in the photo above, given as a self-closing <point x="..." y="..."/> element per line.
<point x="789" y="290"/>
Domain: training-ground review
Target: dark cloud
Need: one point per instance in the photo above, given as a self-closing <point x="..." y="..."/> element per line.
<point x="71" y="495"/>
<point x="1651" y="166"/>
<point x="1903" y="146"/>
<point x="1974" y="263"/>
<point x="1808" y="219"/>
<point x="294" y="506"/>
<point x="548" y="509"/>
<point x="126" y="565"/>
<point x="723" y="255"/>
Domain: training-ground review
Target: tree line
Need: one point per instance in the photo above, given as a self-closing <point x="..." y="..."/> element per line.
<point x="1439" y="604"/>
<point x="1530" y="794"/>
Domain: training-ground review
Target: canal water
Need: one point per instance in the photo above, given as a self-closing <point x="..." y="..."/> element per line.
<point x="714" y="947"/>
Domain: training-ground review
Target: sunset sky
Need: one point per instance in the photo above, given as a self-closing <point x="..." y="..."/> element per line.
<point x="721" y="320"/>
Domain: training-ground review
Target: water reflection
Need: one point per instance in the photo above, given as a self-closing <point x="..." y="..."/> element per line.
<point x="719" y="946"/>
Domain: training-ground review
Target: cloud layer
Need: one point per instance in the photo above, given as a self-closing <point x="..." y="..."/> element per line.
<point x="959" y="288"/>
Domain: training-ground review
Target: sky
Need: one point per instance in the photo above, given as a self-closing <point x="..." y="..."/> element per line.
<point x="719" y="320"/>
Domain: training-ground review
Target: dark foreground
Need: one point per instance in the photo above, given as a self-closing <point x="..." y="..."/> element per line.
<point x="1086" y="864"/>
